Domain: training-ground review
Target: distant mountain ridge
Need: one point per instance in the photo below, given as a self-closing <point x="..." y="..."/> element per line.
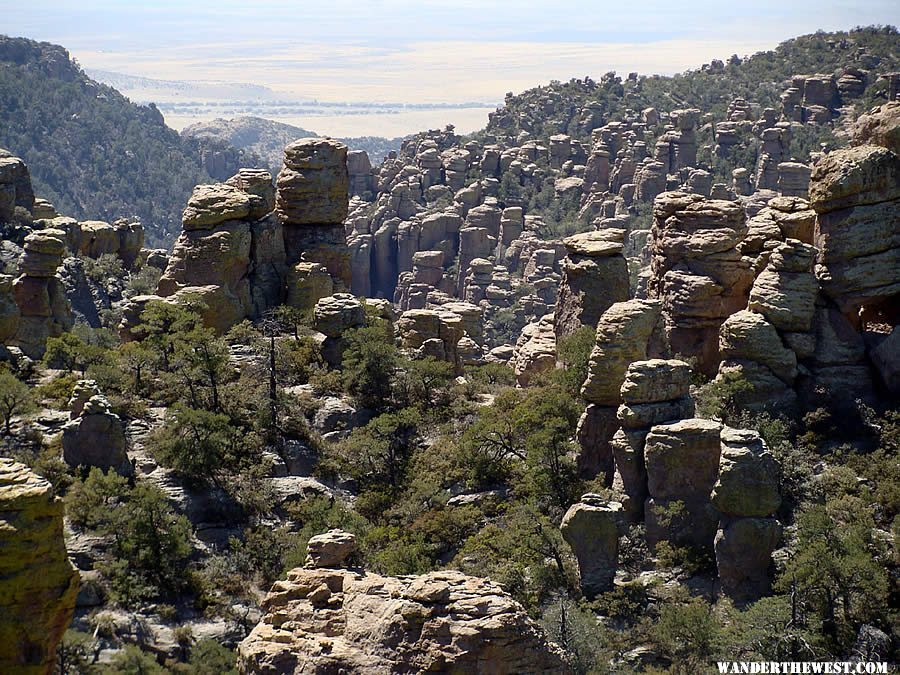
<point x="267" y="139"/>
<point x="91" y="151"/>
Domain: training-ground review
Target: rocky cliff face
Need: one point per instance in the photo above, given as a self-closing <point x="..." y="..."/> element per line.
<point x="38" y="584"/>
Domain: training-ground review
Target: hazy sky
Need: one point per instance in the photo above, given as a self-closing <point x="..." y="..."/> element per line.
<point x="422" y="50"/>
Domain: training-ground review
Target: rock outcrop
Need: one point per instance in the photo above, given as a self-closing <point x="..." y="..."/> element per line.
<point x="336" y="620"/>
<point x="855" y="193"/>
<point x="682" y="461"/>
<point x="311" y="205"/>
<point x="625" y="334"/>
<point x="38" y="584"/>
<point x="653" y="392"/>
<point x="746" y="494"/>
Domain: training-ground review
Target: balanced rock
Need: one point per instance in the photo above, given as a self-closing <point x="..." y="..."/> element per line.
<point x="332" y="549"/>
<point x="623" y="335"/>
<point x="312" y="186"/>
<point x="211" y="205"/>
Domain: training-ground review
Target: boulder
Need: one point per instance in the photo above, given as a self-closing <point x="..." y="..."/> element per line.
<point x="338" y="313"/>
<point x="211" y="205"/>
<point x="656" y="380"/>
<point x="682" y="459"/>
<point x="313" y="185"/>
<point x="595" y="276"/>
<point x="332" y="549"/>
<point x="623" y="335"/>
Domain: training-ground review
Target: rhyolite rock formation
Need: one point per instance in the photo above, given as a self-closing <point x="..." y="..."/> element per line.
<point x="591" y="527"/>
<point x="338" y="620"/>
<point x="38" y="584"/>
<point x="96" y="436"/>
<point x="44" y="309"/>
<point x="747" y="493"/>
<point x="595" y="276"/>
<point x="625" y="332"/>
<point x="698" y="271"/>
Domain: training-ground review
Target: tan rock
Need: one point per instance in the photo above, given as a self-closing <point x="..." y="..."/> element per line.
<point x="682" y="459"/>
<point x="307" y="283"/>
<point x="656" y="380"/>
<point x="331" y="549"/>
<point x="748" y="483"/>
<point x="211" y="205"/>
<point x="312" y="186"/>
<point x="591" y="528"/>
<point x="748" y="336"/>
<point x="340" y="621"/>
<point x="623" y="334"/>
<point x="38" y="584"/>
<point x="535" y="350"/>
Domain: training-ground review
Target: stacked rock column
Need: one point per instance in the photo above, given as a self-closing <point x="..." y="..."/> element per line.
<point x="311" y="204"/>
<point x="746" y="495"/>
<point x="624" y="335"/>
<point x="653" y="391"/>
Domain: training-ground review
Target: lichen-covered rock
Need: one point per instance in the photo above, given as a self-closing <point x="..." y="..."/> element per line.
<point x="211" y="205"/>
<point x="338" y="313"/>
<point x="96" y="438"/>
<point x="880" y="126"/>
<point x="743" y="551"/>
<point x="682" y="459"/>
<point x="535" y="350"/>
<point x="855" y="192"/>
<point x="38" y="584"/>
<point x="786" y="290"/>
<point x="595" y="276"/>
<point x="591" y="528"/>
<point x="436" y="331"/>
<point x="213" y="256"/>
<point x="656" y="380"/>
<point x="312" y="186"/>
<point x="330" y="621"/>
<point x="331" y="549"/>
<point x="698" y="271"/>
<point x="623" y="335"/>
<point x="748" y="483"/>
<point x="646" y="415"/>
<point x="307" y="283"/>
<point x="257" y="184"/>
<point x="747" y="336"/>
